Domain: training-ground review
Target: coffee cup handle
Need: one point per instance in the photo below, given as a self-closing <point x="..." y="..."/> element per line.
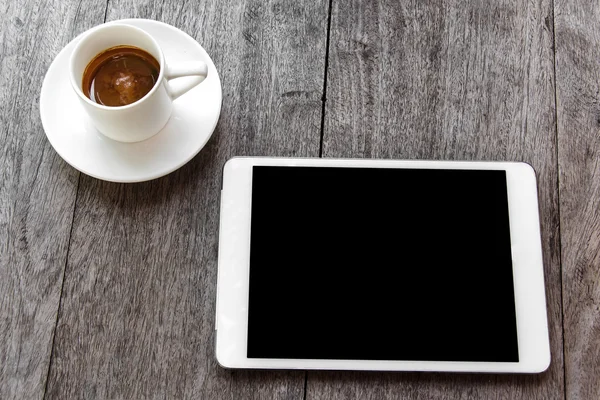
<point x="196" y="69"/>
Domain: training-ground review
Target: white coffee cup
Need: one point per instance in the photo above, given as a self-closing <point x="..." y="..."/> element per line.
<point x="147" y="116"/>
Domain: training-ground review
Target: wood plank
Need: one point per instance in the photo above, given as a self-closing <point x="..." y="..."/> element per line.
<point x="137" y="316"/>
<point x="467" y="80"/>
<point x="37" y="190"/>
<point x="578" y="116"/>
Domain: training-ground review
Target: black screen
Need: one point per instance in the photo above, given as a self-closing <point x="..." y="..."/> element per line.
<point x="380" y="264"/>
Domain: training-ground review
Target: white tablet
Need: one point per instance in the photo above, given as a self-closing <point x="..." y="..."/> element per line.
<point x="380" y="265"/>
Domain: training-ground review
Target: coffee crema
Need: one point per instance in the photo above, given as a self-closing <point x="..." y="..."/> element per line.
<point x="119" y="76"/>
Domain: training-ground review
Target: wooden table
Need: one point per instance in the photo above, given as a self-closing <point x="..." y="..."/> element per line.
<point x="108" y="290"/>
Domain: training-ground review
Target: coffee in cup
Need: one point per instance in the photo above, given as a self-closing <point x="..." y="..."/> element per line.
<point x="120" y="76"/>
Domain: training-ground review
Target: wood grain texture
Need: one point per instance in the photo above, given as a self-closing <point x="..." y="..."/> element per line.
<point x="466" y="80"/>
<point x="578" y="115"/>
<point x="137" y="316"/>
<point x="37" y="190"/>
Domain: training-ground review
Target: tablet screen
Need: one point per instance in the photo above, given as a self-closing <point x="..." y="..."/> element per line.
<point x="380" y="264"/>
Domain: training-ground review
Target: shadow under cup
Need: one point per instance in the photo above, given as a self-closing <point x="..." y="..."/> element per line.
<point x="133" y="122"/>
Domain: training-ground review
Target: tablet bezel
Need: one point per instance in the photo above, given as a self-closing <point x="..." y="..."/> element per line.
<point x="231" y="320"/>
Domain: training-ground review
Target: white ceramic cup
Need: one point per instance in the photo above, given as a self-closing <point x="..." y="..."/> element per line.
<point x="147" y="116"/>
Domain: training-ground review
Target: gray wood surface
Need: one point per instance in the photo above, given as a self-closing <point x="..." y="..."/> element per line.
<point x="37" y="190"/>
<point x="108" y="290"/>
<point x="137" y="316"/>
<point x="470" y="80"/>
<point x="578" y="112"/>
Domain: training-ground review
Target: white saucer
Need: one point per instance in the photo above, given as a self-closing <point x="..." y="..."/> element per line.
<point x="71" y="133"/>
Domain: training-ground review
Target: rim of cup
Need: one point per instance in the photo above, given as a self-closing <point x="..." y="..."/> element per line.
<point x="85" y="39"/>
